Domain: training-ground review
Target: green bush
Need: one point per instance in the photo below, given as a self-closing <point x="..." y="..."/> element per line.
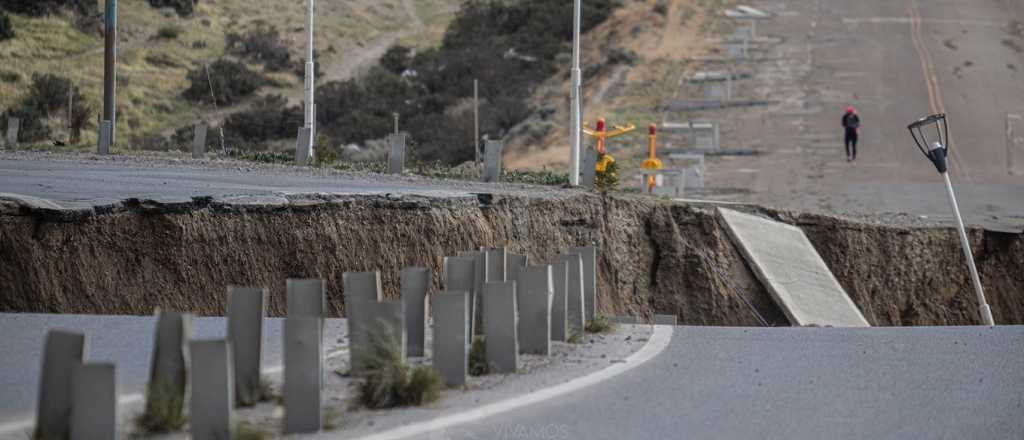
<point x="48" y="96"/>
<point x="269" y="118"/>
<point x="39" y="8"/>
<point x="390" y="382"/>
<point x="184" y="8"/>
<point x="6" y="28"/>
<point x="260" y="44"/>
<point x="231" y="81"/>
<point x="169" y="32"/>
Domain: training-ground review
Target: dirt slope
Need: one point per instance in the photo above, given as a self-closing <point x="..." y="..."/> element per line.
<point x="655" y="256"/>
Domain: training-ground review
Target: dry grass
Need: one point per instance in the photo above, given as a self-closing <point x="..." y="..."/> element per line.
<point x="149" y="94"/>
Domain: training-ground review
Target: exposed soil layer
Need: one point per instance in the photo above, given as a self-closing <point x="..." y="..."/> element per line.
<point x="655" y="256"/>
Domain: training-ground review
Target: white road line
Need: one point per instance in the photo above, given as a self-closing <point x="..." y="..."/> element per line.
<point x="659" y="340"/>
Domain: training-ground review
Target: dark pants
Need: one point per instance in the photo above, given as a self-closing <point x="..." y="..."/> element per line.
<point x="851" y="143"/>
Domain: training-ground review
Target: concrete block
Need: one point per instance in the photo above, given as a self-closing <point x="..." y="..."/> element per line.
<point x="302" y="154"/>
<point x="106" y="137"/>
<point x="306" y="297"/>
<point x="559" y="302"/>
<point x="792" y="271"/>
<point x="626" y="319"/>
<point x="169" y="365"/>
<point x="94" y="401"/>
<point x="575" y="316"/>
<point x="246" y="309"/>
<point x="211" y="404"/>
<point x="513" y="264"/>
<point x="452" y="336"/>
<point x="492" y="160"/>
<point x="589" y="256"/>
<point x="303" y="378"/>
<point x="359" y="288"/>
<point x="13" y="125"/>
<point x="535" y="291"/>
<point x="63" y="352"/>
<point x="476" y="297"/>
<point x="396" y="153"/>
<point x="199" y="140"/>
<point x="381" y="322"/>
<point x="496" y="262"/>
<point x="588" y="168"/>
<point x="665" y="319"/>
<point x="500" y="324"/>
<point x="460" y="276"/>
<point x="414" y="284"/>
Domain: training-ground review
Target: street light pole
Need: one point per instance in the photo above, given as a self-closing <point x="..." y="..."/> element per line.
<point x="310" y="116"/>
<point x="935" y="149"/>
<point x="109" y="78"/>
<point x="576" y="99"/>
<point x="983" y="307"/>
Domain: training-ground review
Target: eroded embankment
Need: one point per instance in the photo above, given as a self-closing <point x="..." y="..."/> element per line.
<point x="655" y="256"/>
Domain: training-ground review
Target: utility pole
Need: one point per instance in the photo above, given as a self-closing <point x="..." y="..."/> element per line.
<point x="310" y="106"/>
<point x="107" y="127"/>
<point x="574" y="94"/>
<point x="476" y="124"/>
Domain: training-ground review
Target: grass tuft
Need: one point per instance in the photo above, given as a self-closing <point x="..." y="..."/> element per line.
<point x="478" y="357"/>
<point x="576" y="337"/>
<point x="247" y="431"/>
<point x="390" y="381"/>
<point x="600" y="324"/>
<point x="164" y="409"/>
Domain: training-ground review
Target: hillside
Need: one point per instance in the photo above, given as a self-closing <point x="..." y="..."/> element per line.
<point x="157" y="48"/>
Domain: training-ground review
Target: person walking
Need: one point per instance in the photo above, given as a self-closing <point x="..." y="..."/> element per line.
<point x="851" y="122"/>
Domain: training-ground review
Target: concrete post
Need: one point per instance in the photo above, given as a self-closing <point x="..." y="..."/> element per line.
<point x="246" y="309"/>
<point x="94" y="401"/>
<point x="559" y="303"/>
<point x="396" y="153"/>
<point x="493" y="150"/>
<point x="169" y="366"/>
<point x="306" y="297"/>
<point x="63" y="352"/>
<point x="589" y="256"/>
<point x="415" y="281"/>
<point x="574" y="315"/>
<point x="359" y="289"/>
<point x="199" y="140"/>
<point x="13" y="125"/>
<point x="496" y="262"/>
<point x="452" y="336"/>
<point x="534" y="293"/>
<point x="106" y="137"/>
<point x="303" y="151"/>
<point x="212" y="401"/>
<point x="513" y="264"/>
<point x="476" y="296"/>
<point x="589" y="172"/>
<point x="460" y="276"/>
<point x="500" y="324"/>
<point x="303" y="381"/>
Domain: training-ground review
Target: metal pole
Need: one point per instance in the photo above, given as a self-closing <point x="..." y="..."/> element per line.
<point x="310" y="118"/>
<point x="109" y="75"/>
<point x="983" y="308"/>
<point x="476" y="124"/>
<point x="574" y="94"/>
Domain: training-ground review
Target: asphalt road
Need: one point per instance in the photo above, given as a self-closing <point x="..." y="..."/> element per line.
<point x="124" y="340"/>
<point x="795" y="383"/>
<point x="894" y="60"/>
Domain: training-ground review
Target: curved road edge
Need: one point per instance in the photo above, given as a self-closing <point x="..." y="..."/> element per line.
<point x="660" y="338"/>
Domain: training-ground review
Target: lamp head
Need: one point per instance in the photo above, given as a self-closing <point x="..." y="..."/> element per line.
<point x="931" y="135"/>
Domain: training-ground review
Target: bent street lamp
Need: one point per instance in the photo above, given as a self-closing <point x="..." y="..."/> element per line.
<point x="931" y="134"/>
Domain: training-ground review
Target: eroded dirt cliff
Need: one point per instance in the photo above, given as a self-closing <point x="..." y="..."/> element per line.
<point x="655" y="256"/>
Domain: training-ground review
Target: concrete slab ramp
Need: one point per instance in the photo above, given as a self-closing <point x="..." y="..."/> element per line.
<point x="790" y="268"/>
